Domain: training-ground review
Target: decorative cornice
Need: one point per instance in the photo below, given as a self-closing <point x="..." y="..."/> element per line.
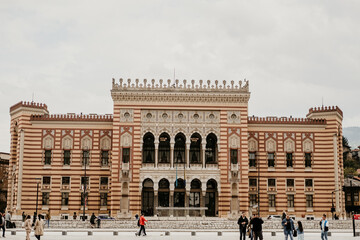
<point x="28" y="104"/>
<point x="73" y="117"/>
<point x="183" y="93"/>
<point x="325" y="109"/>
<point x="285" y="120"/>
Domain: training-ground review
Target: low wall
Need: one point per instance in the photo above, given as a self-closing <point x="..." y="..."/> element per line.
<point x="190" y="224"/>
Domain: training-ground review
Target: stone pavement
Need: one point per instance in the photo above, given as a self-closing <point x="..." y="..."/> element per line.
<point x="178" y="235"/>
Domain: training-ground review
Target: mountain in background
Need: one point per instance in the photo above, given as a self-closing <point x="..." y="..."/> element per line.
<point x="353" y="135"/>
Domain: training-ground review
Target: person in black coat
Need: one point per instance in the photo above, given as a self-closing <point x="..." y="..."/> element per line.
<point x="92" y="220"/>
<point x="243" y="222"/>
<point x="256" y="223"/>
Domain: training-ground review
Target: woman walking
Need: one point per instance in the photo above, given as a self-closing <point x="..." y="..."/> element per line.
<point x="27" y="227"/>
<point x="39" y="227"/>
<point x="300" y="231"/>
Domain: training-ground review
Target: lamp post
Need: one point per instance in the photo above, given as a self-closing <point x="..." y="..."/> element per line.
<point x="85" y="161"/>
<point x="38" y="180"/>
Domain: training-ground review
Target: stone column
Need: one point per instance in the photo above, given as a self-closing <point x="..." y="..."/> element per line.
<point x="187" y="195"/>
<point x="336" y="168"/>
<point x="187" y="154"/>
<point x="156" y="153"/>
<point x="21" y="159"/>
<point x="202" y="202"/>
<point x="203" y="154"/>
<point x="171" y="202"/>
<point x="156" y="202"/>
<point x="172" y="145"/>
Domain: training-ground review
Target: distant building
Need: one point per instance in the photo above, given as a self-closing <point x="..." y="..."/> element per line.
<point x="352" y="191"/>
<point x="4" y="173"/>
<point x="176" y="149"/>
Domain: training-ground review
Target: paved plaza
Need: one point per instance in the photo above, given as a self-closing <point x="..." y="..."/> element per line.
<point x="173" y="235"/>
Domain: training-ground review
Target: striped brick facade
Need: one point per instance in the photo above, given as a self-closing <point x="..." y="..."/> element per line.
<point x="212" y="124"/>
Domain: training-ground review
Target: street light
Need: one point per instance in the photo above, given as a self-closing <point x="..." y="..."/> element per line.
<point x="38" y="180"/>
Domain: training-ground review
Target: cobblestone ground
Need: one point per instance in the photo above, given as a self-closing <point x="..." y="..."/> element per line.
<point x="173" y="236"/>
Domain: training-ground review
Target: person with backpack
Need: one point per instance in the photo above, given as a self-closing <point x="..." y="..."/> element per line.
<point x="243" y="222"/>
<point x="92" y="220"/>
<point x="324" y="226"/>
<point x="256" y="223"/>
<point x="300" y="231"/>
<point x="288" y="225"/>
<point x="142" y="221"/>
<point x="39" y="227"/>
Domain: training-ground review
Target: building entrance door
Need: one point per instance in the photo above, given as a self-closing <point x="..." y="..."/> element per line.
<point x="210" y="204"/>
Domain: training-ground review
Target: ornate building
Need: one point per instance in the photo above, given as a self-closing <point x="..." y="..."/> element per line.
<point x="182" y="149"/>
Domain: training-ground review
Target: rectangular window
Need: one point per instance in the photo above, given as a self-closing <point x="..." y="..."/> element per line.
<point x="253" y="199"/>
<point x="65" y="180"/>
<point x="46" y="180"/>
<point x="194" y="199"/>
<point x="64" y="199"/>
<point x="348" y="198"/>
<point x="272" y="200"/>
<point x="309" y="201"/>
<point x="252" y="159"/>
<point x="85" y="157"/>
<point x="290" y="182"/>
<point x="104" y="158"/>
<point x="252" y="182"/>
<point x="104" y="180"/>
<point x="164" y="199"/>
<point x="308" y="183"/>
<point x="126" y="155"/>
<point x="66" y="157"/>
<point x="83" y="181"/>
<point x="103" y="199"/>
<point x="272" y="182"/>
<point x="45" y="198"/>
<point x="271" y="159"/>
<point x="290" y="201"/>
<point x="47" y="160"/>
<point x="289" y="160"/>
<point x="308" y="161"/>
<point x="234" y="156"/>
<point x="356" y="196"/>
<point x="82" y="199"/>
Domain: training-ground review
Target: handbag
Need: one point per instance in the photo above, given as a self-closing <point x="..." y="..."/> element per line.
<point x="295" y="233"/>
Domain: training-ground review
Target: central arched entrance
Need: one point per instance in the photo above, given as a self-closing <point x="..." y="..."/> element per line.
<point x="147" y="197"/>
<point x="163" y="196"/>
<point x="211" y="198"/>
<point x="194" y="197"/>
<point x="179" y="197"/>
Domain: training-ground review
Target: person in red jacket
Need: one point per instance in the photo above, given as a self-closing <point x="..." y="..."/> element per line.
<point x="142" y="221"/>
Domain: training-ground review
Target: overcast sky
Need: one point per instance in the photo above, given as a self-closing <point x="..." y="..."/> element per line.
<point x="294" y="53"/>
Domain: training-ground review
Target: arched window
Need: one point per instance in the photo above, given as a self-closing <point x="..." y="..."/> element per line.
<point x="195" y="148"/>
<point x="164" y="148"/>
<point x="164" y="193"/>
<point x="195" y="194"/>
<point x="148" y="197"/>
<point x="148" y="148"/>
<point x="179" y="149"/>
<point x="211" y="198"/>
<point x="179" y="193"/>
<point x="211" y="149"/>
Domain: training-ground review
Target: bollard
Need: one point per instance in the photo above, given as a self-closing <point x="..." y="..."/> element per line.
<point x="64" y="233"/>
<point x="273" y="234"/>
<point x="357" y="234"/>
<point x="167" y="233"/>
<point x="90" y="233"/>
<point x="13" y="232"/>
<point x="193" y="233"/>
<point x="115" y="233"/>
<point x="219" y="233"/>
<point x="329" y="234"/>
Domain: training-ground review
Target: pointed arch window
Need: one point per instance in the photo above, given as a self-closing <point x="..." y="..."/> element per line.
<point x="148" y="148"/>
<point x="211" y="149"/>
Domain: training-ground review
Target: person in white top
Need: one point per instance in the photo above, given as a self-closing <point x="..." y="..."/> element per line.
<point x="324" y="226"/>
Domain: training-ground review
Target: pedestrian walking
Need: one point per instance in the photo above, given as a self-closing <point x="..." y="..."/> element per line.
<point x="48" y="217"/>
<point x="137" y="218"/>
<point x="92" y="220"/>
<point x="8" y="219"/>
<point x="23" y="216"/>
<point x="74" y="216"/>
<point x="300" y="231"/>
<point x="283" y="216"/>
<point x="2" y="223"/>
<point x="324" y="226"/>
<point x="142" y="221"/>
<point x="98" y="220"/>
<point x="288" y="225"/>
<point x="256" y="223"/>
<point x="39" y="227"/>
<point x="27" y="227"/>
<point x="243" y="222"/>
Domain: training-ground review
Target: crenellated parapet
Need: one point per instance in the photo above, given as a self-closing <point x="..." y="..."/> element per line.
<point x="73" y="117"/>
<point x="180" y="91"/>
<point x="285" y="120"/>
<point x="325" y="109"/>
<point x="29" y="105"/>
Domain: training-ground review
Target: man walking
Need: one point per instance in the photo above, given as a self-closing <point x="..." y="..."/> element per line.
<point x="256" y="223"/>
<point x="142" y="221"/>
<point x="243" y="222"/>
<point x="288" y="225"/>
<point x="8" y="220"/>
<point x="324" y="226"/>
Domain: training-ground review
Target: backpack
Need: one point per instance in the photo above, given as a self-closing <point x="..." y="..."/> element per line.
<point x="138" y="223"/>
<point x="326" y="227"/>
